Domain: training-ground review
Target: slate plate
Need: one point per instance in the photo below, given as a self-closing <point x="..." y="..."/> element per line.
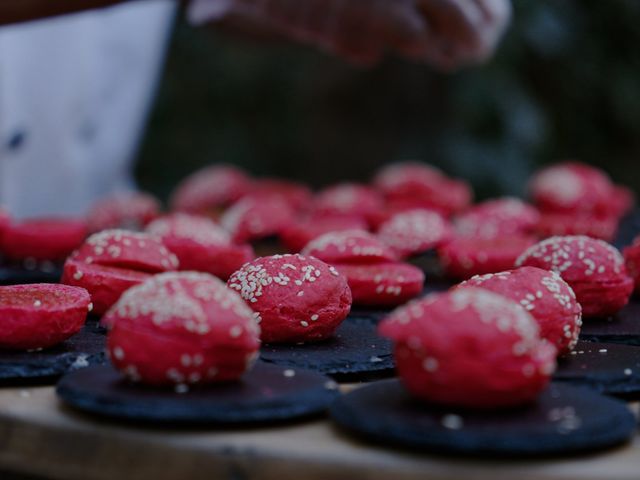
<point x="13" y="275"/>
<point x="377" y="314"/>
<point x="267" y="393"/>
<point x="355" y="352"/>
<point x="83" y="349"/>
<point x="624" y="327"/>
<point x="430" y="264"/>
<point x="609" y="368"/>
<point x="564" y="420"/>
<point x="628" y="229"/>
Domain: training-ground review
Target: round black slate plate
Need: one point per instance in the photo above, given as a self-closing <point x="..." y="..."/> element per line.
<point x="355" y="352"/>
<point x="83" y="349"/>
<point x="628" y="229"/>
<point x="609" y="368"/>
<point x="430" y="264"/>
<point x="564" y="420"/>
<point x="624" y="327"/>
<point x="13" y="275"/>
<point x="377" y="314"/>
<point x="267" y="393"/>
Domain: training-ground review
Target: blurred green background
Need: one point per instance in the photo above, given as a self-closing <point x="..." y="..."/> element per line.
<point x="565" y="83"/>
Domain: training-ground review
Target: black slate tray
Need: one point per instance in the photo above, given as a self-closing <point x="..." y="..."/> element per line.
<point x="609" y="368"/>
<point x="355" y="353"/>
<point x="14" y="275"/>
<point x="83" y="349"/>
<point x="624" y="327"/>
<point x="265" y="394"/>
<point x="628" y="229"/>
<point x="377" y="314"/>
<point x="565" y="420"/>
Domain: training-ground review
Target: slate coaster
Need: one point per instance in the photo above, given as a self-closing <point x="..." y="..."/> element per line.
<point x="377" y="314"/>
<point x="628" y="229"/>
<point x="355" y="352"/>
<point x="430" y="264"/>
<point x="83" y="349"/>
<point x="624" y="327"/>
<point x="609" y="368"/>
<point x="14" y="275"/>
<point x="267" y="393"/>
<point x="564" y="420"/>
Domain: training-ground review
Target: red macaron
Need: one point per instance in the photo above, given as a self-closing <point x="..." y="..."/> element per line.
<point x="297" y="195"/>
<point x="112" y="261"/>
<point x="200" y="244"/>
<point x="572" y="187"/>
<point x="382" y="284"/>
<point x="415" y="231"/>
<point x="105" y="284"/>
<point x="496" y="218"/>
<point x="257" y="217"/>
<point x="40" y="315"/>
<point x="129" y="210"/>
<point x="210" y="189"/>
<point x="543" y="293"/>
<point x="349" y="246"/>
<point x="348" y="199"/>
<point x="576" y="223"/>
<point x="182" y="328"/>
<point x="417" y="185"/>
<point x="296" y="298"/>
<point x="126" y="249"/>
<point x="42" y="239"/>
<point x="301" y="232"/>
<point x="464" y="257"/>
<point x="594" y="269"/>
<point x="469" y="348"/>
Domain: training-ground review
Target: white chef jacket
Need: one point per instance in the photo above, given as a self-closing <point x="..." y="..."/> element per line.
<point x="75" y="92"/>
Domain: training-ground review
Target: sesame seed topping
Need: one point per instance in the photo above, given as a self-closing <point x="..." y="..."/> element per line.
<point x="430" y="364"/>
<point x="452" y="422"/>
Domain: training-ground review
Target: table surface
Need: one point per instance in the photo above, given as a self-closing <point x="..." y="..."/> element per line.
<point x="40" y="436"/>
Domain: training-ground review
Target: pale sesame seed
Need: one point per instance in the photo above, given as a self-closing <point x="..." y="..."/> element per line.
<point x="452" y="422"/>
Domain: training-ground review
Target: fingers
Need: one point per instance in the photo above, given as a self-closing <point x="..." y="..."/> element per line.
<point x="404" y="28"/>
<point x="446" y="33"/>
<point x="463" y="31"/>
<point x="355" y="31"/>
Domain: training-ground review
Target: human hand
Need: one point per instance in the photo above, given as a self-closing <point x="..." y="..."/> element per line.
<point x="446" y="33"/>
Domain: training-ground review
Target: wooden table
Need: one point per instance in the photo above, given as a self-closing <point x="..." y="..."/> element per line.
<point x="39" y="436"/>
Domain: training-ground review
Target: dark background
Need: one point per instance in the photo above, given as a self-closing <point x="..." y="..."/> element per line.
<point x="565" y="83"/>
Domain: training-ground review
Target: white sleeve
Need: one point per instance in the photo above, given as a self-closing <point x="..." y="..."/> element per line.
<point x="74" y="96"/>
